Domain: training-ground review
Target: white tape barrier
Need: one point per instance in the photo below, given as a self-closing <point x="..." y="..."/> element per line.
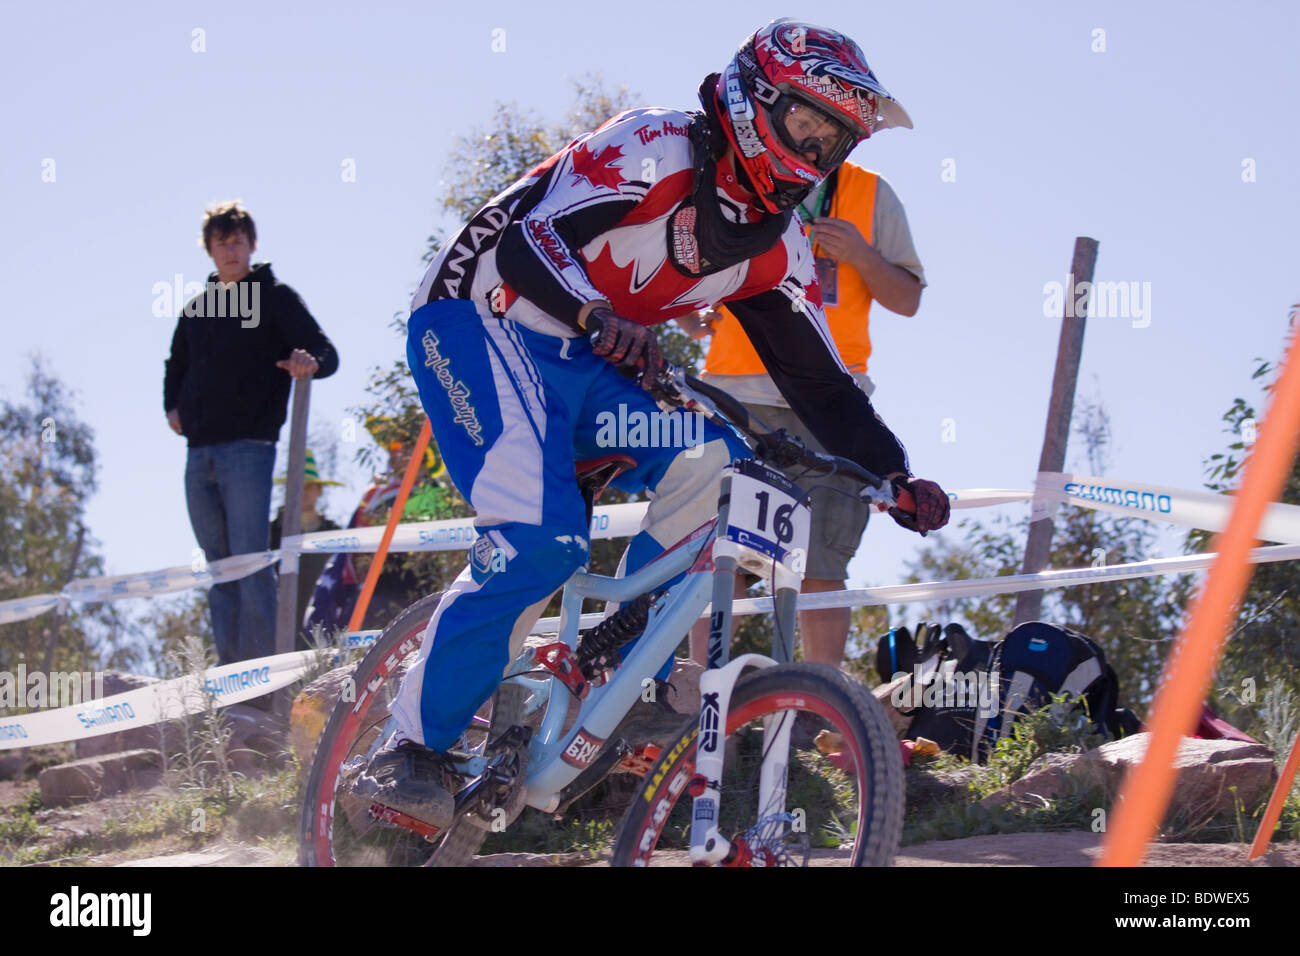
<point x="1198" y="509"/>
<point x="986" y="497"/>
<point x="1193" y="509"/>
<point x="612" y="521"/>
<point x="975" y="587"/>
<point x="249" y="679"/>
<point x="19" y="609"/>
<point x="165" y="700"/>
<point x="179" y="578"/>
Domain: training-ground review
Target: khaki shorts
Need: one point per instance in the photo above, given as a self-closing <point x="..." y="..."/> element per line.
<point x="838" y="517"/>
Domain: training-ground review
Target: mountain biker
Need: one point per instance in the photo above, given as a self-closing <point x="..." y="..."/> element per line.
<point x="656" y="214"/>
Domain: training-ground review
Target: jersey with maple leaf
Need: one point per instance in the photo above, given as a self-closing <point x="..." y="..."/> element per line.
<point x="609" y="217"/>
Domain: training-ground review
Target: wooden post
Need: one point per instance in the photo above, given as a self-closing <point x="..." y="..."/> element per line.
<point x="286" y="612"/>
<point x="1069" y="350"/>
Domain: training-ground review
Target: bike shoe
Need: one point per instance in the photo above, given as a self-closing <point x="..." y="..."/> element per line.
<point x="409" y="778"/>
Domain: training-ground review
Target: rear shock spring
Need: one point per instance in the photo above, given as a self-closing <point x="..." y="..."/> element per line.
<point x="598" y="649"/>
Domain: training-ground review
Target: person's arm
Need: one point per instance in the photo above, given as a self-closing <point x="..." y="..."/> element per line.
<point x="299" y="332"/>
<point x="892" y="286"/>
<point x="175" y="368"/>
<point x="889" y="266"/>
<point x="592" y="185"/>
<point x="789" y="334"/>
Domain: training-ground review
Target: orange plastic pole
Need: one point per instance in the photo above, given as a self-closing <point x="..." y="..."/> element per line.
<point x="1265" y="831"/>
<point x="1194" y="657"/>
<point x="372" y="576"/>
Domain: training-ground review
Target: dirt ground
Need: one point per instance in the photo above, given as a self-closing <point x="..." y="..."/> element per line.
<point x="1013" y="849"/>
<point x="1046" y="849"/>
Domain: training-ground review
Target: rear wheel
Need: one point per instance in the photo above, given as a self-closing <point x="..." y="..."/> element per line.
<point x="335" y="827"/>
<point x="844" y="795"/>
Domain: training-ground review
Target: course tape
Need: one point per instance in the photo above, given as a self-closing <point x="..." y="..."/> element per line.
<point x="164" y="700"/>
<point x="248" y="679"/>
<point x="612" y="521"/>
<point x="452" y="534"/>
<point x="1194" y="509"/>
<point x="1197" y="509"/>
<point x="974" y="587"/>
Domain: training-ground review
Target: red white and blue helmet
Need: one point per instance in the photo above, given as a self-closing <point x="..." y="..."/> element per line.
<point x="786" y="79"/>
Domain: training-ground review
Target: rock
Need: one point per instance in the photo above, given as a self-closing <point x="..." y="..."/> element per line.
<point x="1208" y="772"/>
<point x="94" y="777"/>
<point x="926" y="787"/>
<point x="1052" y="776"/>
<point x="1209" y="769"/>
<point x="257" y="737"/>
<point x="685" y="681"/>
<point x="12" y="764"/>
<point x="311" y="711"/>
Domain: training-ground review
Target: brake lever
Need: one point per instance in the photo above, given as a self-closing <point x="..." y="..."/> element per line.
<point x="904" y="510"/>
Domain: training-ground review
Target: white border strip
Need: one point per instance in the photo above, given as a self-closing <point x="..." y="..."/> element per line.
<point x="248" y="679"/>
<point x="612" y="521"/>
<point x="164" y="700"/>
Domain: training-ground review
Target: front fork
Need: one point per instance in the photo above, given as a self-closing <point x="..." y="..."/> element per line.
<point x="708" y="845"/>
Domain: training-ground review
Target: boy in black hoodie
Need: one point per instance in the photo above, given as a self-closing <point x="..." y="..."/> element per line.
<point x="226" y="389"/>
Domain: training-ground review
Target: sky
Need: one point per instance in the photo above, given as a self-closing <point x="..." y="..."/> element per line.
<point x="1166" y="131"/>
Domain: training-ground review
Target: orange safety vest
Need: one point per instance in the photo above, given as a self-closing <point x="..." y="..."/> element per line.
<point x="855" y="200"/>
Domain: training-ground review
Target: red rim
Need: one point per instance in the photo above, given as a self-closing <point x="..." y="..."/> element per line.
<point x="323" y="814"/>
<point x="760" y="706"/>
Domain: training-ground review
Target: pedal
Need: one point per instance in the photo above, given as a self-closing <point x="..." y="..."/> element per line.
<point x="641" y="760"/>
<point x="388" y="817"/>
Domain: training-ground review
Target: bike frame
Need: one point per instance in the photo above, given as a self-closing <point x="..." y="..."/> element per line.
<point x="709" y="565"/>
<point x="704" y="558"/>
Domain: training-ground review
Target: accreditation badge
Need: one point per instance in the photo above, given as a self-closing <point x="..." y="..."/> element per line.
<point x="828" y="279"/>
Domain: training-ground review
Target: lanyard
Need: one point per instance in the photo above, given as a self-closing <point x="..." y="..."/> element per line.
<point x="822" y="202"/>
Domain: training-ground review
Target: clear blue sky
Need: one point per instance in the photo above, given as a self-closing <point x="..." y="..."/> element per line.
<point x="1140" y="146"/>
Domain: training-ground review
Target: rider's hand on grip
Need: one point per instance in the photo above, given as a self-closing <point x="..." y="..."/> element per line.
<point x="922" y="505"/>
<point x="626" y="344"/>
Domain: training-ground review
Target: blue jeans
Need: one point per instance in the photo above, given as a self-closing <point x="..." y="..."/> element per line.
<point x="228" y="491"/>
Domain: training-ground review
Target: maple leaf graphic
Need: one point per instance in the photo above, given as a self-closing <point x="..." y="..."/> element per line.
<point x="598" y="168"/>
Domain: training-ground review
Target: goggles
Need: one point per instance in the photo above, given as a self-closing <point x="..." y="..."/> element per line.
<point x="814" y="137"/>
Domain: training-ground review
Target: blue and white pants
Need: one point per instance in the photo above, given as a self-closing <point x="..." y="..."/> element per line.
<point x="512" y="410"/>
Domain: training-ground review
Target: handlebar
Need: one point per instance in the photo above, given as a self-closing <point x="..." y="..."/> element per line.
<point x="674" y="387"/>
<point x="776" y="446"/>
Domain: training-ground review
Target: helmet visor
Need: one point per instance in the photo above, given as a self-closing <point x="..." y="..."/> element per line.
<point x="813" y="136"/>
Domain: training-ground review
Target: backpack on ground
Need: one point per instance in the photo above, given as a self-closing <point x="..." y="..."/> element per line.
<point x="1037" y="660"/>
<point x="949" y="678"/>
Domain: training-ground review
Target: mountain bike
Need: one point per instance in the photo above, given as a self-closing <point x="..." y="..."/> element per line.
<point x="786" y="762"/>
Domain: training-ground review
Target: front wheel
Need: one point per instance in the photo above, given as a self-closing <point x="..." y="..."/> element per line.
<point x="844" y="792"/>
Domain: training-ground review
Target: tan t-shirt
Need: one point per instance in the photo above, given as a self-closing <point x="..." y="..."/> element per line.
<point x="892" y="238"/>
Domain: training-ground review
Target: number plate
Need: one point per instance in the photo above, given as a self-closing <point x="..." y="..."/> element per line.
<point x="768" y="513"/>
